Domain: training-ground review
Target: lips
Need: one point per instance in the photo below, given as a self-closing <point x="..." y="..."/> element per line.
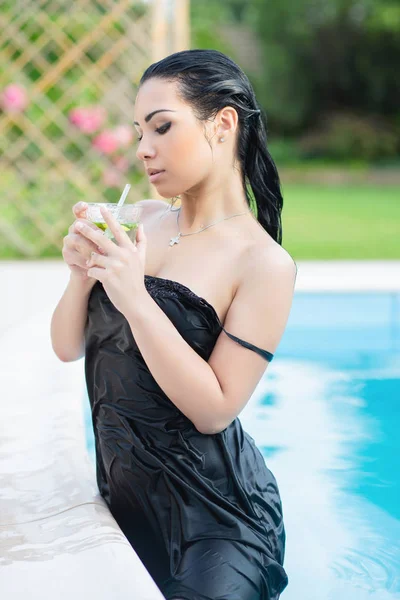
<point x="155" y="176"/>
<point x="151" y="172"/>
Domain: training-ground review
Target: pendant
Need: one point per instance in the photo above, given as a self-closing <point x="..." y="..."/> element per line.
<point x="174" y="240"/>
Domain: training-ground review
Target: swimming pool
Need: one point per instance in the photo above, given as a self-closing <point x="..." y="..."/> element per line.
<point x="326" y="417"/>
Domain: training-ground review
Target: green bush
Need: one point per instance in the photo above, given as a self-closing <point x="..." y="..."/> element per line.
<point x="345" y="135"/>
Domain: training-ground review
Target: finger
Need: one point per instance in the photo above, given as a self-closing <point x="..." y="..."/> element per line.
<point x="97" y="260"/>
<point x="96" y="236"/>
<point x="79" y="243"/>
<point x="89" y="223"/>
<point x="86" y="247"/>
<point x="140" y="234"/>
<point x="72" y="257"/>
<point x="119" y="234"/>
<point x="97" y="273"/>
<point x="79" y="209"/>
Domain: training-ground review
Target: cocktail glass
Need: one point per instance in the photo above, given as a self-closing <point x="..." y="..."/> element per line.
<point x="128" y="216"/>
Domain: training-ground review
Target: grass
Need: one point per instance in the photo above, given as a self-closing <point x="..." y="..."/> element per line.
<point x="322" y="221"/>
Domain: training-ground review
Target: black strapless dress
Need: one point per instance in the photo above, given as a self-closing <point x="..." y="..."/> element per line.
<point x="203" y="512"/>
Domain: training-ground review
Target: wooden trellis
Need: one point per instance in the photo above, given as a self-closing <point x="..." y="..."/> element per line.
<point x="64" y="55"/>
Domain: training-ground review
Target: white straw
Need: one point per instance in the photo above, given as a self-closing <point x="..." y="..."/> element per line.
<point x="123" y="198"/>
<point x="120" y="203"/>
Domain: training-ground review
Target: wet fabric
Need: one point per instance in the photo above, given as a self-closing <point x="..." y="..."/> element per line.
<point x="203" y="512"/>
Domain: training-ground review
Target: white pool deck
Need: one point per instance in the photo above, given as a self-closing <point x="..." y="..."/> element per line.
<point x="57" y="536"/>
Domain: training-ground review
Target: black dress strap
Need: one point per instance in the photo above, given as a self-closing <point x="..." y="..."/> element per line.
<point x="264" y="353"/>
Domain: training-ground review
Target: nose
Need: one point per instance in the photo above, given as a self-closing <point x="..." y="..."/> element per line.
<point x="144" y="151"/>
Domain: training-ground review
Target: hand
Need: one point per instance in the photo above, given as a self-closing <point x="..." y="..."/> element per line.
<point x="120" y="267"/>
<point x="76" y="248"/>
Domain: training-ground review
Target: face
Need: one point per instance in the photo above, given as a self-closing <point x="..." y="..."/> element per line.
<point x="172" y="140"/>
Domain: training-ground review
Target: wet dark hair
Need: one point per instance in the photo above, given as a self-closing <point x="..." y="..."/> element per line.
<point x="208" y="80"/>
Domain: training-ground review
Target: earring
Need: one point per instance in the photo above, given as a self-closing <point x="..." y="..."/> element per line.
<point x="222" y="139"/>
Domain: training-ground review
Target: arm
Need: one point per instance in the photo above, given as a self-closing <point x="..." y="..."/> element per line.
<point x="211" y="394"/>
<point x="69" y="319"/>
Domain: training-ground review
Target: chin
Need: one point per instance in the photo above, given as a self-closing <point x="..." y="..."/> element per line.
<point x="167" y="192"/>
<point x="175" y="187"/>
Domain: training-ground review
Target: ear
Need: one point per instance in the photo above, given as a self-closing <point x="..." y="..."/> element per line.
<point x="227" y="120"/>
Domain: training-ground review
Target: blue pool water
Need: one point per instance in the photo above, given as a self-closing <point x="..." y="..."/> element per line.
<point x="326" y="417"/>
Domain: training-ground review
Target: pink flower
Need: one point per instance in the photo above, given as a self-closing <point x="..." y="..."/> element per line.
<point x="14" y="98"/>
<point x="106" y="142"/>
<point x="121" y="163"/>
<point x="112" y="177"/>
<point x="88" y="119"/>
<point x="124" y="135"/>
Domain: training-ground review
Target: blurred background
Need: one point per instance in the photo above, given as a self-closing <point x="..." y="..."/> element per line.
<point x="325" y="414"/>
<point x="325" y="71"/>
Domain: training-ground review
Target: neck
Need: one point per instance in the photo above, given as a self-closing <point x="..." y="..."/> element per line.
<point x="201" y="207"/>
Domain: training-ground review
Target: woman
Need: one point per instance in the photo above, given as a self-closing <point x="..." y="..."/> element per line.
<point x="178" y="330"/>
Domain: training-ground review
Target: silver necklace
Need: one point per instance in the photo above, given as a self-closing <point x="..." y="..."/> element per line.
<point x="175" y="240"/>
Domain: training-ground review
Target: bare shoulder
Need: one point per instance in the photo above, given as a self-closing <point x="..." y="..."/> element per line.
<point x="266" y="283"/>
<point x="257" y="315"/>
<point x="264" y="262"/>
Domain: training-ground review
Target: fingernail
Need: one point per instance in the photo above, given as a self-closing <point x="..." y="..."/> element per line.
<point x="79" y="226"/>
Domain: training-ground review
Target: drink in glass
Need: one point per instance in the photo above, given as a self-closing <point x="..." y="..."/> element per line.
<point x="128" y="216"/>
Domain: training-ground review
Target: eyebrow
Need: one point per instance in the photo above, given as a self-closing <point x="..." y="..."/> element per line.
<point x="151" y="115"/>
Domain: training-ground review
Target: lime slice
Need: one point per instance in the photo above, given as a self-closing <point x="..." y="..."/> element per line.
<point x="102" y="226"/>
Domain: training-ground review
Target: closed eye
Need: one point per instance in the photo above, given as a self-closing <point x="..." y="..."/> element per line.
<point x="161" y="130"/>
<point x="164" y="128"/>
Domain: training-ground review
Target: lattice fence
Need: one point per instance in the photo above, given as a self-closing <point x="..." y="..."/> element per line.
<point x="68" y="77"/>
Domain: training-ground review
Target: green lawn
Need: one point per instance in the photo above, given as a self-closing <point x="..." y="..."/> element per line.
<point x="322" y="221"/>
<point x="319" y="221"/>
